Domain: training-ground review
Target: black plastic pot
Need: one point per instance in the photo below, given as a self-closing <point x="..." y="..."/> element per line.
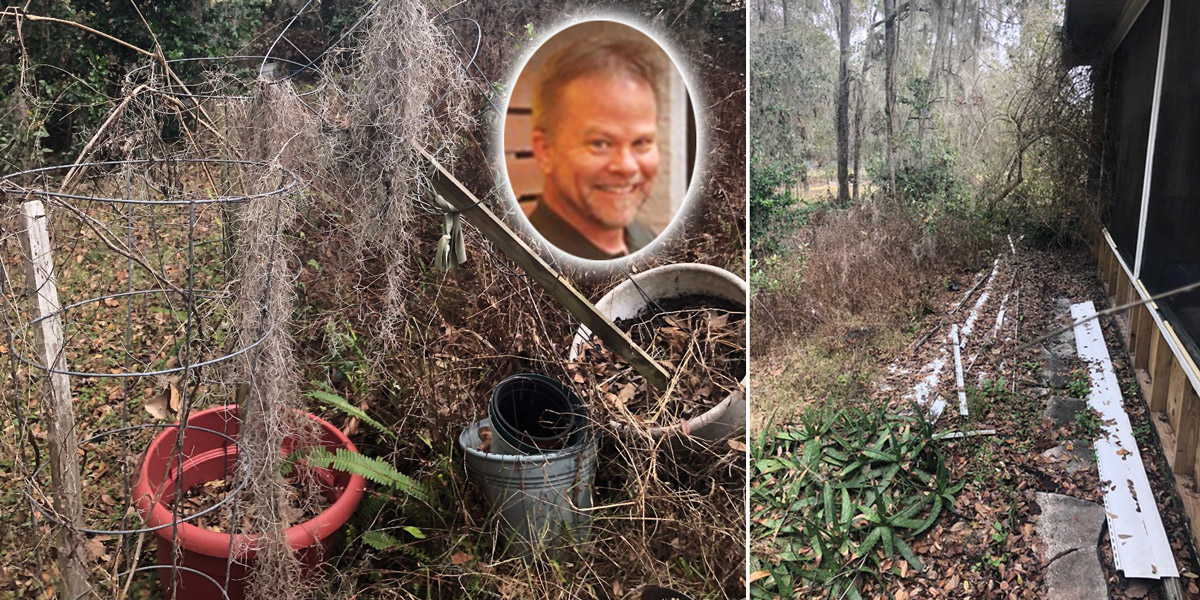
<point x="532" y="414"/>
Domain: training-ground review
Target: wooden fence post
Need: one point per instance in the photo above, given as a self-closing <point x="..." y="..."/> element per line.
<point x="1183" y="409"/>
<point x="1135" y="326"/>
<point x="1145" y="333"/>
<point x="57" y="412"/>
<point x="1160" y="372"/>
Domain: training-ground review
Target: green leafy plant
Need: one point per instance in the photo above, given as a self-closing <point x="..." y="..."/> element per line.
<point x="1089" y="423"/>
<point x="397" y="488"/>
<point x="372" y="469"/>
<point x="335" y="401"/>
<point x="1141" y="433"/>
<point x="773" y="212"/>
<point x="839" y="493"/>
<point x="1079" y="385"/>
<point x="346" y="360"/>
<point x="995" y="557"/>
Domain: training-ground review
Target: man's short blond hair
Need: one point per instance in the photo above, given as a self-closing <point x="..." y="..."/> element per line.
<point x="586" y="57"/>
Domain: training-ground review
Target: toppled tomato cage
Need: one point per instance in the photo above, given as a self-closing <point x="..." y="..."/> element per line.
<point x="699" y="340"/>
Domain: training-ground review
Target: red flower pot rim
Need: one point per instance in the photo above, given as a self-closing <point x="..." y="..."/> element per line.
<point x="129" y="572"/>
<point x="50" y="516"/>
<point x="212" y="543"/>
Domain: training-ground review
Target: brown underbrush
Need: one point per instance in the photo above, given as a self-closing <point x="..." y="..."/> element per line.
<point x="861" y="269"/>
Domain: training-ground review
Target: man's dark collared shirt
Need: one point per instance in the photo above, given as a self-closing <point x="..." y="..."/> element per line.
<point x="566" y="238"/>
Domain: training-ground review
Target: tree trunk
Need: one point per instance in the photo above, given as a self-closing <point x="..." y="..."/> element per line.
<point x="860" y="105"/>
<point x="949" y="52"/>
<point x="843" y="104"/>
<point x="859" y="93"/>
<point x="935" y="68"/>
<point x="889" y="88"/>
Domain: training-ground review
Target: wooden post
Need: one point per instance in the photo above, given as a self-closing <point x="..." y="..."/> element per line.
<point x="1145" y="333"/>
<point x="57" y="412"/>
<point x="1160" y="372"/>
<point x="546" y="276"/>
<point x="1114" y="271"/>
<point x="1124" y="287"/>
<point x="1135" y="323"/>
<point x="1184" y="411"/>
<point x="1106" y="262"/>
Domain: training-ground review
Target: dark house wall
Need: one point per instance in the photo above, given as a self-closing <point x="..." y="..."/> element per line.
<point x="1171" y="251"/>
<point x="1132" y="95"/>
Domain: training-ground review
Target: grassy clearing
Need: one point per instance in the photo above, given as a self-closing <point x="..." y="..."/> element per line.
<point x="782" y="389"/>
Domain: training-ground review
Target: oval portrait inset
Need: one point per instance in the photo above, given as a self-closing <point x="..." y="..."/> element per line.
<point x="600" y="140"/>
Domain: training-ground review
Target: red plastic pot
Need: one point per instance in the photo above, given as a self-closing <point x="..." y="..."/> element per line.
<point x="209" y="457"/>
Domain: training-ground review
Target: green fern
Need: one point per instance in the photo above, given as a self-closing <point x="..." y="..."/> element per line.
<point x="370" y="508"/>
<point x="341" y="404"/>
<point x="385" y="542"/>
<point x="380" y="541"/>
<point x="369" y="468"/>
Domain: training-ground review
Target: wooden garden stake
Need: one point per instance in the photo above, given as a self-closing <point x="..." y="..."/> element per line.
<point x="56" y="401"/>
<point x="546" y="276"/>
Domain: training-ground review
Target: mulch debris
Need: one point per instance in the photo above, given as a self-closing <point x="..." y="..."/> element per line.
<point x="987" y="548"/>
<point x="701" y="341"/>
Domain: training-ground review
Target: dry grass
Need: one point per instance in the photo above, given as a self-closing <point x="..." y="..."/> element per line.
<point x="863" y="267"/>
<point x="866" y="277"/>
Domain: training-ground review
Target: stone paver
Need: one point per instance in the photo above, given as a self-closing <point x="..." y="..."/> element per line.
<point x="1062" y="410"/>
<point x="1076" y="576"/>
<point x="1079" y="457"/>
<point x="1070" y="529"/>
<point x="1055" y="373"/>
<point x="1068" y="523"/>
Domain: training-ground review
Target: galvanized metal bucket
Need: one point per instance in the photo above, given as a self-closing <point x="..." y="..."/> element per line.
<point x="543" y="499"/>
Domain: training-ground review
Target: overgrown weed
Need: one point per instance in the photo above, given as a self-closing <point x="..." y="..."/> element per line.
<point x="837" y="498"/>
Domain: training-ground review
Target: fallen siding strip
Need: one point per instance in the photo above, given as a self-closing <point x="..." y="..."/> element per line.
<point x="1140" y="545"/>
<point x="958" y="371"/>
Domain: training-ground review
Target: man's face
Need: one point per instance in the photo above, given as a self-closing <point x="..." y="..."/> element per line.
<point x="601" y="154"/>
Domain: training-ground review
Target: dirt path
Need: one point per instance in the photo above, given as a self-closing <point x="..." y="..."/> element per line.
<point x="988" y="547"/>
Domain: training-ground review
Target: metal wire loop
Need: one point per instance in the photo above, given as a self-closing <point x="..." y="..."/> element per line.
<point x="46" y="368"/>
<point x="291" y="183"/>
<point x="49" y="514"/>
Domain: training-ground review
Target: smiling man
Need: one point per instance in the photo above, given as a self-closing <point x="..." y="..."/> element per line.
<point x="595" y="139"/>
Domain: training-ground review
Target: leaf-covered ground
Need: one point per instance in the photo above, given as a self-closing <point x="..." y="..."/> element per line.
<point x="982" y="545"/>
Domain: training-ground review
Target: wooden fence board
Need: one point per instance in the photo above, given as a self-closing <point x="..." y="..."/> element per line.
<point x="1145" y="337"/>
<point x="1160" y="372"/>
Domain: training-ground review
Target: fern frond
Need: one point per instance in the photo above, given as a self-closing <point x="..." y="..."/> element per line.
<point x="380" y="541"/>
<point x="369" y="509"/>
<point x="369" y="468"/>
<point x="341" y="404"/>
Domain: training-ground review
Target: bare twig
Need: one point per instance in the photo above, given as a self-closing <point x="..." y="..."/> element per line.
<point x="21" y="15"/>
<point x="112" y="117"/>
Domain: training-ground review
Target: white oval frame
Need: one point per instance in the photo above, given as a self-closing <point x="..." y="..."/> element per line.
<point x="699" y="166"/>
